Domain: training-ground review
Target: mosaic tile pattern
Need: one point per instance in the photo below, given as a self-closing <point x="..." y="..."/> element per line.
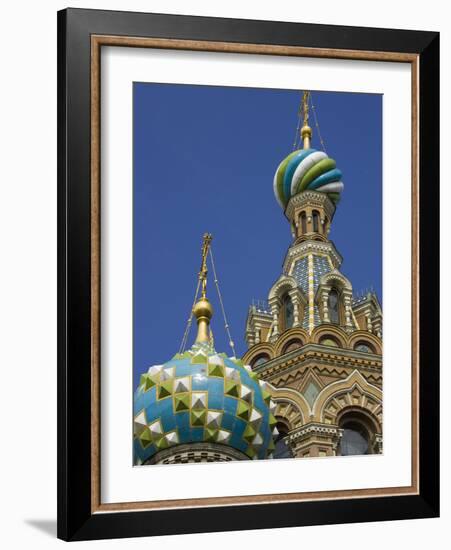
<point x="321" y="266"/>
<point x="300" y="273"/>
<point x="203" y="396"/>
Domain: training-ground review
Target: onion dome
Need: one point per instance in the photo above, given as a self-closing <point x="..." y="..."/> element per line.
<point x="201" y="396"/>
<point x="307" y="169"/>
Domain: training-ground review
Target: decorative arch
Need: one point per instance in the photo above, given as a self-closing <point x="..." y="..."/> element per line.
<point x="361" y="336"/>
<point x="287" y="337"/>
<point x="259" y="349"/>
<point x="333" y="331"/>
<point x="360" y="432"/>
<point x="335" y="285"/>
<point x="291" y="406"/>
<point x="352" y="392"/>
<point x="261" y="359"/>
<point x="287" y="302"/>
<point x="370" y="421"/>
<point x="284" y="284"/>
<point x="336" y="279"/>
<point x="292" y="345"/>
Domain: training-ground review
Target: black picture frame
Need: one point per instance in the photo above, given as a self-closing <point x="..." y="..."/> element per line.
<point x="76" y="520"/>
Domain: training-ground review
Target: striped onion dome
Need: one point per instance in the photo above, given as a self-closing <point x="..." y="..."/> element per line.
<point x="201" y="396"/>
<point x="307" y="169"/>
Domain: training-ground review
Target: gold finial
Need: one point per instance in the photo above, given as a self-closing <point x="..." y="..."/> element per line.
<point x="203" y="310"/>
<point x="306" y="131"/>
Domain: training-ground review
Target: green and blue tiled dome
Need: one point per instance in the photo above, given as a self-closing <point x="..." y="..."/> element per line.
<point x="307" y="169"/>
<point x="201" y="396"/>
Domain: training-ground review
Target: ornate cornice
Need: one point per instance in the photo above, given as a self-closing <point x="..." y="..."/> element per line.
<point x="288" y="378"/>
<point x="314" y="428"/>
<point x="332" y="359"/>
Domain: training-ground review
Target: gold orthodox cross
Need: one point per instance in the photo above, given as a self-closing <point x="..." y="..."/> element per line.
<point x="203" y="267"/>
<point x="305" y="107"/>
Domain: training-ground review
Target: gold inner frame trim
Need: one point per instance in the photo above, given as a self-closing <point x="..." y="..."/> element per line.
<point x="97" y="41"/>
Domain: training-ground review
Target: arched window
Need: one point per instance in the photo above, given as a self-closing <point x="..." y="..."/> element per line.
<point x="358" y="433"/>
<point x="332" y="304"/>
<point x="364" y="347"/>
<point x="303" y="223"/>
<point x="292" y="345"/>
<point x="282" y="448"/>
<point x="315" y="216"/>
<point x="355" y="439"/>
<point x="259" y="360"/>
<point x="329" y="341"/>
<point x="288" y="312"/>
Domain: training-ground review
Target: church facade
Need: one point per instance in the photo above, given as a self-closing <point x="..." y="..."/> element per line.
<point x="316" y="343"/>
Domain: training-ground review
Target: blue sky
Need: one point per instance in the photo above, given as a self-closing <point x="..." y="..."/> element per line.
<point x="204" y="160"/>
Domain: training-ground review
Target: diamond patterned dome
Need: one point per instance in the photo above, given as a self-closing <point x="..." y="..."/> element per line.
<point x="201" y="396"/>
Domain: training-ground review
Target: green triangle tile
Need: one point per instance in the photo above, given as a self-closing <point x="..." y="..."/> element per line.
<point x="161" y="443"/>
<point x="222" y="354"/>
<point x="198" y="359"/>
<point x="249" y="433"/>
<point x="272" y="420"/>
<point x="198" y="417"/>
<point x="238" y="362"/>
<point x="210" y="435"/>
<point x="216" y="370"/>
<point x="165" y="389"/>
<point x="231" y="387"/>
<point x="145" y="438"/>
<point x="155" y="378"/>
<point x="271" y="445"/>
<point x="181" y="402"/>
<point x="149" y="382"/>
<point x="266" y="396"/>
<point x="242" y="411"/>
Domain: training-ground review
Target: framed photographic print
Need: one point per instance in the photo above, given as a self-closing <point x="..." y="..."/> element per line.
<point x="248" y="274"/>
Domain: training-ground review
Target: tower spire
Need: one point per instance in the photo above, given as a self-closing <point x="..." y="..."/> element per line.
<point x="306" y="131"/>
<point x="203" y="310"/>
